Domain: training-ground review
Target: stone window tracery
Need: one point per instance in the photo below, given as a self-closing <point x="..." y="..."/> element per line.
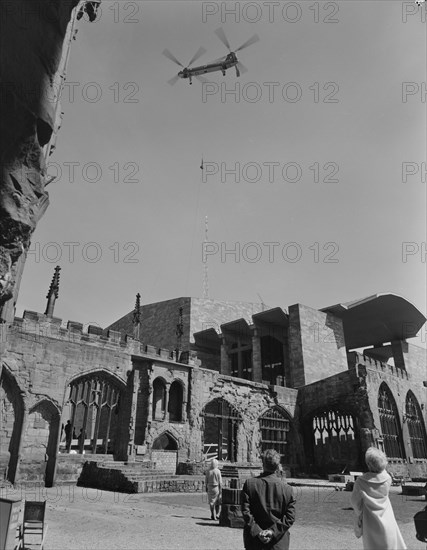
<point x="94" y="404"/>
<point x="390" y="425"/>
<point x="221" y="421"/>
<point x="275" y="426"/>
<point x="417" y="433"/>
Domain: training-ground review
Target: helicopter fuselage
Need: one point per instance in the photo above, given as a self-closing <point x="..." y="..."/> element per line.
<point x="229" y="61"/>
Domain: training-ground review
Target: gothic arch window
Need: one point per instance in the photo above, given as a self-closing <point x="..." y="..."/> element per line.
<point x="11" y="421"/>
<point x="390" y="425"/>
<point x="176" y="393"/>
<point x="221" y="422"/>
<point x="334" y="440"/>
<point x="417" y="432"/>
<point x="94" y="401"/>
<point x="165" y="442"/>
<point x="159" y="399"/>
<point x="275" y="426"/>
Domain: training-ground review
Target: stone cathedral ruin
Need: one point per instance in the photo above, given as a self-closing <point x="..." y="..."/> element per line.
<point x="176" y="382"/>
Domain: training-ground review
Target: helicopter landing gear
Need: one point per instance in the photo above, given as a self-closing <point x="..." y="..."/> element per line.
<point x="237" y="71"/>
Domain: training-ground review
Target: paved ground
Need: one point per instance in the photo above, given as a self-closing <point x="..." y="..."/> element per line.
<point x="81" y="518"/>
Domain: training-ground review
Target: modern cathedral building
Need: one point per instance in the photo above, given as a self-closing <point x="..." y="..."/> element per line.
<point x="200" y="378"/>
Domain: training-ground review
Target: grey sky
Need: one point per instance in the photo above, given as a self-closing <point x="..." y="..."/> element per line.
<point x="350" y="119"/>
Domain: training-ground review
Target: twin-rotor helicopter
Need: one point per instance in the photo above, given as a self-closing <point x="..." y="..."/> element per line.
<point x="221" y="64"/>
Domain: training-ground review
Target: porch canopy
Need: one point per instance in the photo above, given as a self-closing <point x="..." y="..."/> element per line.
<point x="377" y="319"/>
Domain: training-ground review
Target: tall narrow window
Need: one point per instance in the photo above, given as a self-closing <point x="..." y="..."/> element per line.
<point x="221" y="422"/>
<point x="390" y="425"/>
<point x="274" y="425"/>
<point x="94" y="401"/>
<point x="159" y="399"/>
<point x="417" y="432"/>
<point x="175" y="402"/>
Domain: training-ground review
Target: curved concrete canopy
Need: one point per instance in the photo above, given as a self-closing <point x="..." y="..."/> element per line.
<point x="377" y="319"/>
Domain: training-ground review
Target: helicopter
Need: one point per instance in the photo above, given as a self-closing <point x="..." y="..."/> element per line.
<point x="221" y="64"/>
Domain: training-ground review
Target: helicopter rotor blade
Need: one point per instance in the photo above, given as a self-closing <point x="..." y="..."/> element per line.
<point x="196" y="56"/>
<point x="252" y="40"/>
<point x="242" y="68"/>
<point x="170" y="56"/>
<point x="221" y="35"/>
<point x="174" y="80"/>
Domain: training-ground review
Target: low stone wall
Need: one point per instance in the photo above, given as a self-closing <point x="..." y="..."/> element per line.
<point x="165" y="460"/>
<point x="191" y="468"/>
<point x="172" y="486"/>
<point x="109" y="479"/>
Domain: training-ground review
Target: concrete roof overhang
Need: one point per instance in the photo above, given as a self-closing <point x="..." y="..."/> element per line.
<point x="377" y="319"/>
<point x="207" y="338"/>
<point x="239" y="328"/>
<point x="274" y="316"/>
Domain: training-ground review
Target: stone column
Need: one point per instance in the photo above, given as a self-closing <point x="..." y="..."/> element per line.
<point x="256" y="356"/>
<point x="132" y="420"/>
<point x="225" y="362"/>
<point x="167" y="390"/>
<point x="397" y="347"/>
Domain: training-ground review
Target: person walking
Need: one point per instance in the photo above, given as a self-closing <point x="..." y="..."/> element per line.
<point x="374" y="518"/>
<point x="268" y="507"/>
<point x="213" y="488"/>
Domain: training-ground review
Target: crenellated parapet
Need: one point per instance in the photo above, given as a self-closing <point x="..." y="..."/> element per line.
<point x="355" y="358"/>
<point x="37" y="326"/>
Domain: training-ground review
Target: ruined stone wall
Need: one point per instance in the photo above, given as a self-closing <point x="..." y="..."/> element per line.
<point x="250" y="399"/>
<point x="416" y="364"/>
<point x="41" y="359"/>
<point x="399" y="382"/>
<point x="150" y="427"/>
<point x="344" y="392"/>
<point x="316" y="345"/>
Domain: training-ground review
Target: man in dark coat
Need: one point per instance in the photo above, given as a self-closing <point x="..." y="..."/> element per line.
<point x="268" y="507"/>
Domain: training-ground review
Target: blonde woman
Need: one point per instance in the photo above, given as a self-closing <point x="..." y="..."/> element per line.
<point x="374" y="517"/>
<point x="213" y="488"/>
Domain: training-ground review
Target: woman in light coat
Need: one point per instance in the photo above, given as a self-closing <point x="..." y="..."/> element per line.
<point x="213" y="488"/>
<point x="374" y="517"/>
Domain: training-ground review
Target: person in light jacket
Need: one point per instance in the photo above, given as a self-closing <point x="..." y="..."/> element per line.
<point x="213" y="488"/>
<point x="374" y="517"/>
